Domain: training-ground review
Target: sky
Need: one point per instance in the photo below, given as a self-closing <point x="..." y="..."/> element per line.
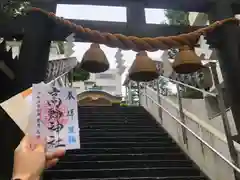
<point x="105" y="13"/>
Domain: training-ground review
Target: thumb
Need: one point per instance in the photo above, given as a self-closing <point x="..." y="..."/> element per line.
<point x="40" y="144"/>
<point x="24" y="143"/>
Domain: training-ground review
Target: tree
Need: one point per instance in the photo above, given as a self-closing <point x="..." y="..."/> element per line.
<point x="79" y="74"/>
<point x="176" y="18"/>
<point x="163" y="86"/>
<point x="12" y="8"/>
<point x="61" y="46"/>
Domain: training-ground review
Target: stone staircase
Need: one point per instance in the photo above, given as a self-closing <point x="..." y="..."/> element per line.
<point x="120" y="143"/>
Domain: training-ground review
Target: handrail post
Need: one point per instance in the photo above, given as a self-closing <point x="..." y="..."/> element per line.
<point x="159" y="100"/>
<point x="54" y="83"/>
<point x="230" y="142"/>
<point x="181" y="114"/>
<point x="129" y="93"/>
<point x="65" y="80"/>
<point x="145" y="88"/>
<point x="126" y="94"/>
<point x="71" y="78"/>
<point x="139" y="96"/>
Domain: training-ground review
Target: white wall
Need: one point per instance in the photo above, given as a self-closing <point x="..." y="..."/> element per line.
<point x="105" y="83"/>
<point x="116" y="82"/>
<point x="79" y="86"/>
<point x="198" y="108"/>
<point x="208" y="161"/>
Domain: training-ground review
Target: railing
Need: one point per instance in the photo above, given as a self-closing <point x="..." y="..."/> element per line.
<point x="59" y="67"/>
<point x="193" y="133"/>
<point x="189" y="86"/>
<point x="233" y="160"/>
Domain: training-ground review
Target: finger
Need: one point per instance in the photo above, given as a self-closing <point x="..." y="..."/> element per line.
<point x="58" y="153"/>
<point x="37" y="144"/>
<point x="40" y="141"/>
<point x="40" y="148"/>
<point x="26" y="139"/>
<point x="52" y="162"/>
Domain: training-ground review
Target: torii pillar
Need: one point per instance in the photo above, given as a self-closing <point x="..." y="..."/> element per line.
<point x="226" y="41"/>
<point x="34" y="53"/>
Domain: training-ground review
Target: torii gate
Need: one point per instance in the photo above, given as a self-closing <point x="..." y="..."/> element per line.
<point x="225" y="39"/>
<point x="38" y="30"/>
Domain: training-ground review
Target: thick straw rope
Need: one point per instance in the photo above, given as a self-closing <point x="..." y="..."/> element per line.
<point x="136" y="43"/>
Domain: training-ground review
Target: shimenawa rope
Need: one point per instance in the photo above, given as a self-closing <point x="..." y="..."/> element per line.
<point x="136" y="43"/>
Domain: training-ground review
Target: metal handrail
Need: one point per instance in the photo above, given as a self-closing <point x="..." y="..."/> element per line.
<point x="189" y="86"/>
<point x="50" y="82"/>
<point x="57" y="78"/>
<point x="198" y="137"/>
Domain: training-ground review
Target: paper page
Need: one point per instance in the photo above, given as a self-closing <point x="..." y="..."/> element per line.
<point x="19" y="108"/>
<point x="55" y="116"/>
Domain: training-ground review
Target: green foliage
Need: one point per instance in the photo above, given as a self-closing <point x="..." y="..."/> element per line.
<point x="13" y="8"/>
<point x="80" y="74"/>
<point x="163" y="86"/>
<point x="124" y="105"/>
<point x="176" y="18"/>
<point x="95" y="87"/>
<point x="61" y="46"/>
<point x="134" y="96"/>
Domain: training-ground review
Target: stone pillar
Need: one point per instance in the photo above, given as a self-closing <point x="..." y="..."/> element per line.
<point x="226" y="41"/>
<point x="135" y="16"/>
<point x="47" y="6"/>
<point x="34" y="53"/>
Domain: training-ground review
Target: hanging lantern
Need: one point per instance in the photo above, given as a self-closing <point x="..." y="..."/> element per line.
<point x="94" y="60"/>
<point x="186" y="61"/>
<point x="143" y="68"/>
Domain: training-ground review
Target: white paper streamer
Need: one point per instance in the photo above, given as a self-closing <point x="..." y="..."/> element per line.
<point x="167" y="67"/>
<point x="69" y="45"/>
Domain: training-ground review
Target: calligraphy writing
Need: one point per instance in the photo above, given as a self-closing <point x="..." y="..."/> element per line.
<point x="55" y="121"/>
<point x="54" y="111"/>
<point x="70" y="95"/>
<point x="38" y="115"/>
<point x="71" y="113"/>
<point x="53" y="143"/>
<point x="71" y="129"/>
<point x="72" y="139"/>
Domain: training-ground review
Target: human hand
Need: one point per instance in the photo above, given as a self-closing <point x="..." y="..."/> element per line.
<point x="53" y="157"/>
<point x="30" y="158"/>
